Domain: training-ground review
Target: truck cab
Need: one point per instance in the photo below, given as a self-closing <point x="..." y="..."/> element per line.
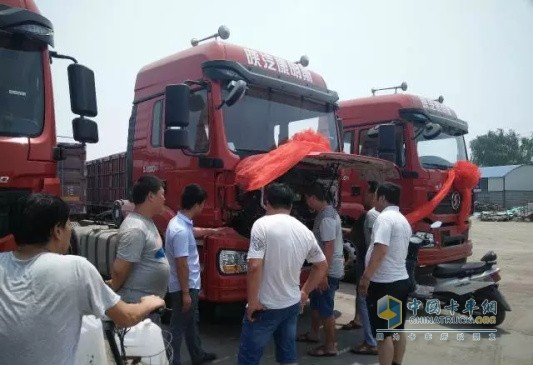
<point x="196" y="115"/>
<point x="424" y="138"/>
<point x="199" y="114"/>
<point x="28" y="143"/>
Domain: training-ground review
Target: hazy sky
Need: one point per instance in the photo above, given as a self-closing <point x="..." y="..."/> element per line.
<point x="478" y="54"/>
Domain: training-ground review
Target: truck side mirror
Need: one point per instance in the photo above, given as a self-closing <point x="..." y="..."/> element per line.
<point x="85" y="130"/>
<point x="177" y="105"/>
<point x="431" y="130"/>
<point x="236" y="93"/>
<point x="82" y="90"/>
<point x="387" y="142"/>
<point x="176" y="139"/>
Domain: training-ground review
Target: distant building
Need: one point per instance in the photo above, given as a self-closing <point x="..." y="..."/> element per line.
<point x="508" y="186"/>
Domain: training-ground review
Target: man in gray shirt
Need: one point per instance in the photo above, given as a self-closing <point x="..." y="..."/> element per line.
<point x="328" y="232"/>
<point x="44" y="293"/>
<point x="141" y="266"/>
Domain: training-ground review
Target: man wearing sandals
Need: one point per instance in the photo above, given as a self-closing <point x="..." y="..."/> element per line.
<point x="385" y="272"/>
<point x="328" y="232"/>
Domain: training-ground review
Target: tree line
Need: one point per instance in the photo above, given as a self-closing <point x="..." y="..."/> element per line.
<point x="499" y="147"/>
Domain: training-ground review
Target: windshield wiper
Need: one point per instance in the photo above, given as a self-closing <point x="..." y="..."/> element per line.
<point x="250" y="150"/>
<point x="437" y="166"/>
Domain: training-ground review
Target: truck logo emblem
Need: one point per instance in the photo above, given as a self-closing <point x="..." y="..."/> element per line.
<point x="455" y="200"/>
<point x="149" y="169"/>
<point x="4" y="179"/>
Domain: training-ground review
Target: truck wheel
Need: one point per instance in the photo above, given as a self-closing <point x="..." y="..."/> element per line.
<point x="210" y="312"/>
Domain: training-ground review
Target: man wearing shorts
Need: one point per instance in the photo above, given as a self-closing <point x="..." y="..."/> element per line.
<point x="328" y="232"/>
<point x="385" y="272"/>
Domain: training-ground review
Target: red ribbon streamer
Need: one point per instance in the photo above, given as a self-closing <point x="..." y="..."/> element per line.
<point x="464" y="176"/>
<point x="256" y="171"/>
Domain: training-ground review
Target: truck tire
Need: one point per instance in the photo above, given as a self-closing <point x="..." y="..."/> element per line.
<point x="210" y="312"/>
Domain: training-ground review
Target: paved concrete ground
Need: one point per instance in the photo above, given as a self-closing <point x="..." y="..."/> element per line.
<point x="514" y="339"/>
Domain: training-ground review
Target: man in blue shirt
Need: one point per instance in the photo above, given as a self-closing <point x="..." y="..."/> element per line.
<point x="184" y="283"/>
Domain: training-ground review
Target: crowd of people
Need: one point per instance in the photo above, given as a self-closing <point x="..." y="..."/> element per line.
<point x="44" y="291"/>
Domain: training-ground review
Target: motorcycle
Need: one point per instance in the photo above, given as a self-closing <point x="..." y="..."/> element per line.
<point x="460" y="281"/>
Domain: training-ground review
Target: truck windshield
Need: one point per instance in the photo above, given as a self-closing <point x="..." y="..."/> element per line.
<point x="21" y="87"/>
<point x="441" y="152"/>
<point x="264" y="119"/>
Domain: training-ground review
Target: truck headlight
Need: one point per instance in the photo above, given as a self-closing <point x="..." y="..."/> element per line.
<point x="428" y="239"/>
<point x="232" y="262"/>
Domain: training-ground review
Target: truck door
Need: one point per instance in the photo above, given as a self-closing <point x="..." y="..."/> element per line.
<point x="193" y="164"/>
<point x="351" y="182"/>
<point x="147" y="139"/>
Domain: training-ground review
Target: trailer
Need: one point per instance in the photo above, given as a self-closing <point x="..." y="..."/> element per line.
<point x="106" y="183"/>
<point x="72" y="177"/>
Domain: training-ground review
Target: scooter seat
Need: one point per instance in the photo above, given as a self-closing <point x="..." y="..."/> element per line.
<point x="458" y="270"/>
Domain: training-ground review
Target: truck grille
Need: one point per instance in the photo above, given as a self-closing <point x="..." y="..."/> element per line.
<point x="8" y="200"/>
<point x="448" y="205"/>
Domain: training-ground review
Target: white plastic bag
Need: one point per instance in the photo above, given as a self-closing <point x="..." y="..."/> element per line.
<point x="145" y="340"/>
<point x="91" y="348"/>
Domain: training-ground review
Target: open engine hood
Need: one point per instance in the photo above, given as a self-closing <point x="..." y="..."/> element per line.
<point x="368" y="168"/>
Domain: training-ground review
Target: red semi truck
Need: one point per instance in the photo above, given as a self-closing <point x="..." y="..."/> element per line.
<point x="424" y="139"/>
<point x="28" y="147"/>
<point x="196" y="116"/>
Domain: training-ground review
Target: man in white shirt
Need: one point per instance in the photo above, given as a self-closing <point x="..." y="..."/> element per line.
<point x="279" y="246"/>
<point x="385" y="273"/>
